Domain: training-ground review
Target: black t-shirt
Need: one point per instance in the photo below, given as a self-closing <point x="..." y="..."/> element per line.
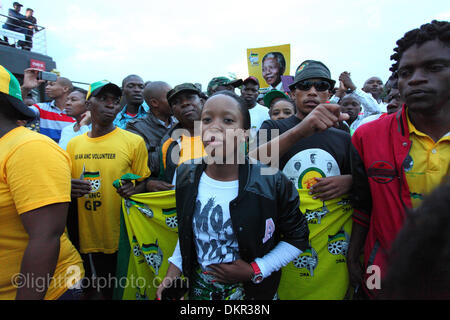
<point x="323" y="154"/>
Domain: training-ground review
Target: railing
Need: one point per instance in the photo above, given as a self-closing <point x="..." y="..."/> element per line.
<point x="22" y="34"/>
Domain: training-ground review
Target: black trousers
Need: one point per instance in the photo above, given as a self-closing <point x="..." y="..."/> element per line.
<point x="100" y="275"/>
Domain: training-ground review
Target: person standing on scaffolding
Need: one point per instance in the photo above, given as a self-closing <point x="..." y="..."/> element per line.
<point x="31" y="24"/>
<point x="16" y="22"/>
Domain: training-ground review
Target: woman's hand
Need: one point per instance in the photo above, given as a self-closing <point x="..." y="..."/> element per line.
<point x="233" y="272"/>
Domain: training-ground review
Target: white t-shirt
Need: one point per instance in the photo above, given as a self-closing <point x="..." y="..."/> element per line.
<point x="214" y="237"/>
<point x="278" y="87"/>
<point x="68" y="133"/>
<point x="258" y="114"/>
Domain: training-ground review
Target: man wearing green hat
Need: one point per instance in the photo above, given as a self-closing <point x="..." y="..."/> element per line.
<point x="99" y="157"/>
<point x="34" y="199"/>
<point x="222" y="83"/>
<point x="182" y="142"/>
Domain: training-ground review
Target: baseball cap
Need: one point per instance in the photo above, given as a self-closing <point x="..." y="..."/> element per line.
<point x="10" y="86"/>
<point x="310" y="69"/>
<point x="273" y="94"/>
<point x="251" y="78"/>
<point x="17" y="4"/>
<point x="217" y="82"/>
<point x="99" y="86"/>
<point x="182" y="88"/>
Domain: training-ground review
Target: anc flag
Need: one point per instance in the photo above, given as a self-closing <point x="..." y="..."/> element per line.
<point x="149" y="234"/>
<point x="320" y="272"/>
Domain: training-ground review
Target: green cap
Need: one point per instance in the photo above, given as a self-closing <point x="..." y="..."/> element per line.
<point x="273" y="94"/>
<point x="97" y="87"/>
<point x="181" y="88"/>
<point x="9" y="85"/>
<point x="217" y="82"/>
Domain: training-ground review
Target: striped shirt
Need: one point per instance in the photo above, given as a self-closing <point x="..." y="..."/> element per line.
<point x="52" y="119"/>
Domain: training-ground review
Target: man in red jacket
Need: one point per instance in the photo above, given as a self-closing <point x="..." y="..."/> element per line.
<point x="403" y="156"/>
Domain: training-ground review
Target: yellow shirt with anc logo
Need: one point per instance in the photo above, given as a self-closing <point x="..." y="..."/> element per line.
<point x="427" y="164"/>
<point x="102" y="160"/>
<point x="34" y="173"/>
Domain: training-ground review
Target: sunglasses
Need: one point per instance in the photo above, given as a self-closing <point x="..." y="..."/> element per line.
<point x="319" y="85"/>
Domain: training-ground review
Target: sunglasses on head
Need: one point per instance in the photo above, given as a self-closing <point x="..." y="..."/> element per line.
<point x="319" y="85"/>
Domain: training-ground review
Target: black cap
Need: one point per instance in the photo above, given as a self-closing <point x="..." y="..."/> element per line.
<point x="181" y="88"/>
<point x="17" y="4"/>
<point x="311" y="69"/>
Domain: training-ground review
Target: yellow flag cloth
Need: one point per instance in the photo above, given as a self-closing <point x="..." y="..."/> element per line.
<point x="149" y="234"/>
<point x="320" y="273"/>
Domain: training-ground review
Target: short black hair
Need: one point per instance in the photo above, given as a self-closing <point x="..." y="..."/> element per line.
<point x="80" y="90"/>
<point x="279" y="57"/>
<point x="127" y="78"/>
<point x="242" y="106"/>
<point x="435" y="30"/>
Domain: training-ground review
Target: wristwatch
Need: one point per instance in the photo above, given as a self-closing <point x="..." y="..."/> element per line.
<point x="257" y="275"/>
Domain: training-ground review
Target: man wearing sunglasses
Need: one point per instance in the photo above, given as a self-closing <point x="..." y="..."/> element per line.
<point x="309" y="137"/>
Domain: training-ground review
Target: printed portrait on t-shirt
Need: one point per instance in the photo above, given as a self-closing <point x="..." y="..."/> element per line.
<point x="305" y="166"/>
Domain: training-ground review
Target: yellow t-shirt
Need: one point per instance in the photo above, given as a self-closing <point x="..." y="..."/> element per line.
<point x="427" y="164"/>
<point x="190" y="148"/>
<point x="34" y="172"/>
<point x="101" y="161"/>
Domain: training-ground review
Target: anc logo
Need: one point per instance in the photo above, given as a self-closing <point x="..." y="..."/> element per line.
<point x="136" y="249"/>
<point x="299" y="69"/>
<point x="307" y="260"/>
<point x="315" y="216"/>
<point x="171" y="217"/>
<point x="94" y="179"/>
<point x="153" y="256"/>
<point x="142" y="208"/>
<point x="338" y="243"/>
<point x="145" y="210"/>
<point x="254" y="59"/>
<point x="308" y="178"/>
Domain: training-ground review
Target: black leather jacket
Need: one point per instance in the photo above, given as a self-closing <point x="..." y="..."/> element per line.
<point x="261" y="197"/>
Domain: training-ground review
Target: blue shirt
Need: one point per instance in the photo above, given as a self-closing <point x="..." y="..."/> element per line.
<point x="122" y="117"/>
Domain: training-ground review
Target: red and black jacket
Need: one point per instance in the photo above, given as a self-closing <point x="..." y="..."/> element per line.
<point x="381" y="194"/>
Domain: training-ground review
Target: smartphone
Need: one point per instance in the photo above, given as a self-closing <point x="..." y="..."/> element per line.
<point x="47" y="76"/>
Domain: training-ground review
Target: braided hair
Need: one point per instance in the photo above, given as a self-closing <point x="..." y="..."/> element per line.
<point x="435" y="30"/>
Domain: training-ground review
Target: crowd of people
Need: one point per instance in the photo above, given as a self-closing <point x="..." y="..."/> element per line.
<point x="386" y="146"/>
<point x="25" y="24"/>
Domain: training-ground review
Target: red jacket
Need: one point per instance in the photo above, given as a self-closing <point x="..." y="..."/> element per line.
<point x="381" y="192"/>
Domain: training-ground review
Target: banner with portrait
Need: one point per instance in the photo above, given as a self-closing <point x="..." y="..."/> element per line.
<point x="268" y="64"/>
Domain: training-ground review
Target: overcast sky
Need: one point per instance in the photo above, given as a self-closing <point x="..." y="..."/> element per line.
<point x="194" y="41"/>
